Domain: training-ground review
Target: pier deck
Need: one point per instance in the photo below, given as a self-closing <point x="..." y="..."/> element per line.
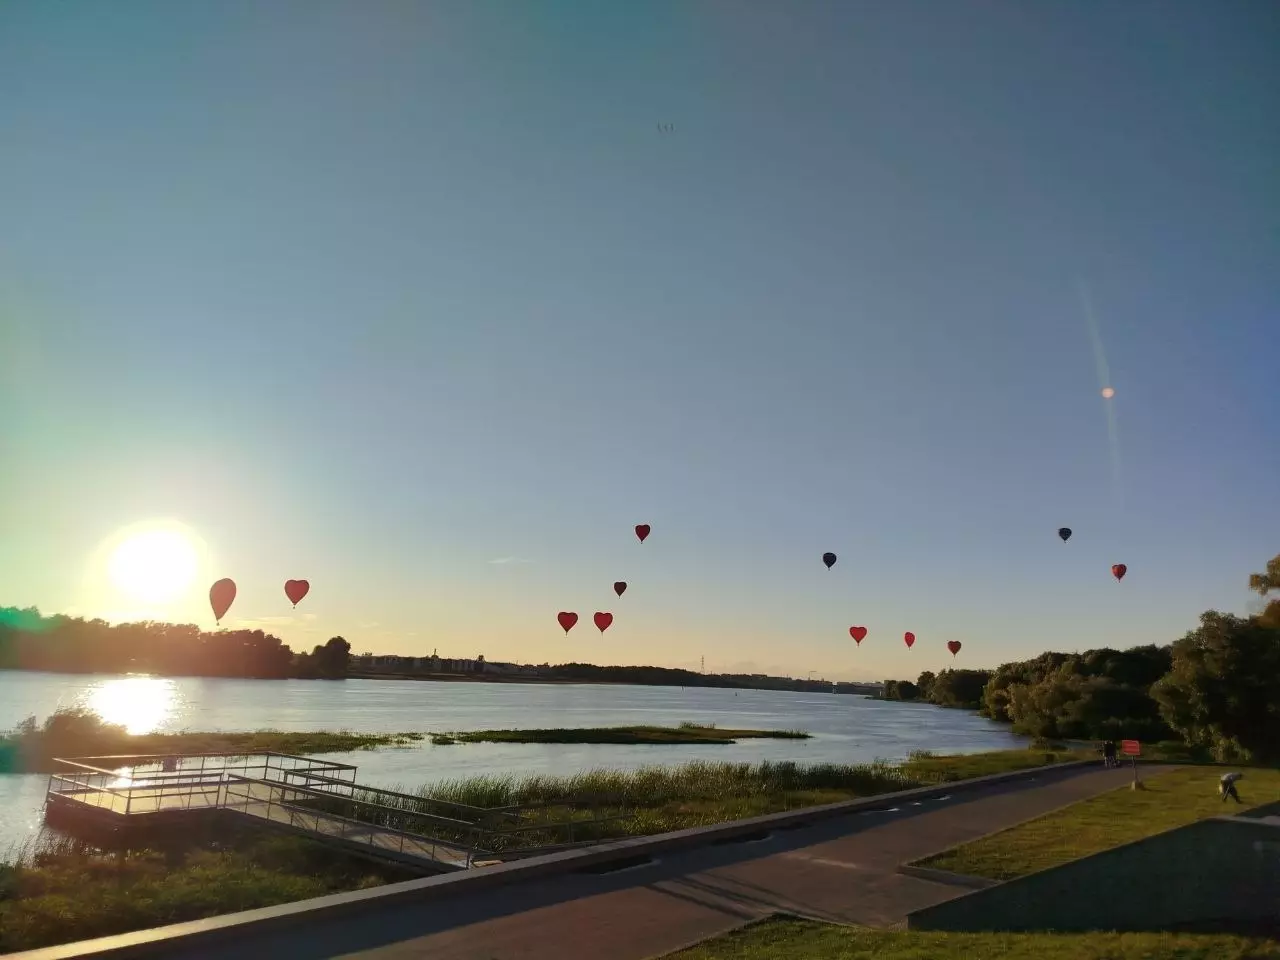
<point x="316" y="798"/>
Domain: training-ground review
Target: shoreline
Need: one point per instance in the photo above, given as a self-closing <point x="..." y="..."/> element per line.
<point x="474" y="678"/>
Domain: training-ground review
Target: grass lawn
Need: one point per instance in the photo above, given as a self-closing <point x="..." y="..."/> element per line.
<point x="795" y="939"/>
<point x="1121" y="816"/>
<point x="686" y="733"/>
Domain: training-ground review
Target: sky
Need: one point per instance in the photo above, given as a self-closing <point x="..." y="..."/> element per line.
<point x="419" y="302"/>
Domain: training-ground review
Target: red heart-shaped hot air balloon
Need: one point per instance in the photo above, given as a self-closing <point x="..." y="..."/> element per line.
<point x="603" y="620"/>
<point x="858" y="633"/>
<point x="221" y="594"/>
<point x="620" y="587"/>
<point x="953" y="646"/>
<point x="295" y="590"/>
<point x="567" y="620"/>
<point x="1119" y="570"/>
<point x="642" y="531"/>
<point x="909" y="638"/>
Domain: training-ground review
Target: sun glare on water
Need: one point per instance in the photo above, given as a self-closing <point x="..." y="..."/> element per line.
<point x="139" y="704"/>
<point x="156" y="566"/>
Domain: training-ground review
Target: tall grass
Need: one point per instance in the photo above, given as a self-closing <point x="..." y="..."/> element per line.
<point x="54" y="891"/>
<point x="603" y="803"/>
<point x="653" y="786"/>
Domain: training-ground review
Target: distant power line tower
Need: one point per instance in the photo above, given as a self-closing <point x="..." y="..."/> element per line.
<point x="704" y="663"/>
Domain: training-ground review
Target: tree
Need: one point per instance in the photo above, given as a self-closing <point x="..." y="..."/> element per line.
<point x="995" y="696"/>
<point x="30" y="641"/>
<point x="924" y="684"/>
<point x="1262" y="584"/>
<point x="959" y="688"/>
<point x="1220" y="692"/>
<point x="333" y="659"/>
<point x="1069" y="703"/>
<point x="906" y="690"/>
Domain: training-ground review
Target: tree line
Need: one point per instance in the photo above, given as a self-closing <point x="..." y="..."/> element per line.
<point x="61" y="644"/>
<point x="672" y="677"/>
<point x="1215" y="689"/>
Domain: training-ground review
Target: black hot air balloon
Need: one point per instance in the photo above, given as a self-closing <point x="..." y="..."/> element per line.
<point x="1064" y="533"/>
<point x="829" y="559"/>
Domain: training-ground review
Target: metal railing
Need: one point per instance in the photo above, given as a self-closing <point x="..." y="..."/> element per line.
<point x="356" y="821"/>
<point x="321" y="797"/>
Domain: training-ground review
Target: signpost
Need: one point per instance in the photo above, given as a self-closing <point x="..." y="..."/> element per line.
<point x="1132" y="749"/>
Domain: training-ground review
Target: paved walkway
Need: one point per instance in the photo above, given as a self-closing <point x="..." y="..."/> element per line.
<point x="842" y="870"/>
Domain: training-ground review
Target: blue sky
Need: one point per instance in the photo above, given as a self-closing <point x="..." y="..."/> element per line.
<point x="379" y="293"/>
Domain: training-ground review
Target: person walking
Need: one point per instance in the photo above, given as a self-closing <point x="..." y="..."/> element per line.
<point x="1227" y="786"/>
<point x="1109" y="754"/>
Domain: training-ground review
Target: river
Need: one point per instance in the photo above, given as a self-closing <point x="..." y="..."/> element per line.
<point x="846" y="728"/>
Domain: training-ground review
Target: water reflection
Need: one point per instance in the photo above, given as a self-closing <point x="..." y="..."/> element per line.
<point x="139" y="704"/>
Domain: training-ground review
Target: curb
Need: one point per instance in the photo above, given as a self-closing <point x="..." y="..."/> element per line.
<point x="947" y="877"/>
<point x="174" y="939"/>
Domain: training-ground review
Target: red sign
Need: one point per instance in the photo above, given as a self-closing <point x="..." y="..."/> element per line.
<point x="1131" y="748"/>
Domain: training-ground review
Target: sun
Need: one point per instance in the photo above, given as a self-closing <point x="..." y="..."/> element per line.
<point x="154" y="566"/>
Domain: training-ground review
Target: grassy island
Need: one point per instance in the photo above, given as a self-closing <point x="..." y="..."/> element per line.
<point x="31" y="747"/>
<point x="686" y="733"/>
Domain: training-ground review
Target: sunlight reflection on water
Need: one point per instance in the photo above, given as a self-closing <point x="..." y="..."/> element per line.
<point x="139" y="704"/>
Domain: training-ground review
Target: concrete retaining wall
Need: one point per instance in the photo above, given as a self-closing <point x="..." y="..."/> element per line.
<point x="1225" y="869"/>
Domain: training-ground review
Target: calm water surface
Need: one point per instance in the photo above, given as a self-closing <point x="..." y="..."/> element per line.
<point x="846" y="729"/>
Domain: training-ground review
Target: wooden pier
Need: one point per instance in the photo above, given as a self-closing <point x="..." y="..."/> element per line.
<point x="136" y="795"/>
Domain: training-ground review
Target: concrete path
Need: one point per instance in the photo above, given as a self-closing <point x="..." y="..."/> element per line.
<point x="842" y="870"/>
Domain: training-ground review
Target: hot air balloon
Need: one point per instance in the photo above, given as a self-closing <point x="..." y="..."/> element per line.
<point x="858" y="633"/>
<point x="953" y="646"/>
<point x="620" y="587"/>
<point x="909" y="638"/>
<point x="1064" y="533"/>
<point x="221" y="595"/>
<point x="1118" y="570"/>
<point x="829" y="559"/>
<point x="295" y="590"/>
<point x="642" y="531"/>
<point x="567" y="620"/>
<point x="603" y="620"/>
